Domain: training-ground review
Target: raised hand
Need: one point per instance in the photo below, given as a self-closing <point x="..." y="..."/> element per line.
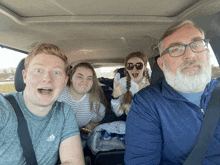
<point x="118" y="90"/>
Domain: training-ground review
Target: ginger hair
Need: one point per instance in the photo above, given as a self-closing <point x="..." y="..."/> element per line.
<point x="128" y="96"/>
<point x="47" y="49"/>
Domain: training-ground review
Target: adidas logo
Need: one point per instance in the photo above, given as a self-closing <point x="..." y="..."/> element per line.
<point x="51" y="138"/>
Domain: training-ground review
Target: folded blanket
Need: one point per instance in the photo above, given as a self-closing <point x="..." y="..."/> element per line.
<point x="107" y="136"/>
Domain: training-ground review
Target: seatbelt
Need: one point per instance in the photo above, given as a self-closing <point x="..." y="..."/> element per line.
<point x="207" y="130"/>
<point x="23" y="134"/>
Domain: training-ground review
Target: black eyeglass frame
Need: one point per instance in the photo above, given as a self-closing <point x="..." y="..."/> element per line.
<point x="185" y="45"/>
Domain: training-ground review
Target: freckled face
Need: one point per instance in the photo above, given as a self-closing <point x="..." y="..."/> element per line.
<point x="44" y="78"/>
<point x="82" y="80"/>
<point x="135" y="74"/>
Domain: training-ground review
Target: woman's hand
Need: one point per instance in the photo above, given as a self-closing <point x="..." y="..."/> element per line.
<point x="118" y="90"/>
<point x="91" y="125"/>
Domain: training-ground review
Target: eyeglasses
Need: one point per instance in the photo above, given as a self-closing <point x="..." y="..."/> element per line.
<point x="131" y="66"/>
<point x="179" y="50"/>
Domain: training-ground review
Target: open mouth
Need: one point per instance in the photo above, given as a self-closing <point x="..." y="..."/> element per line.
<point x="44" y="91"/>
<point x="135" y="74"/>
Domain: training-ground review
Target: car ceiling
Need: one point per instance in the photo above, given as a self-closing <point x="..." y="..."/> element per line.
<point x="101" y="32"/>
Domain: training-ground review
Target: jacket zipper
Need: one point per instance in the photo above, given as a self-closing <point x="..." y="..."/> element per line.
<point x="201" y="106"/>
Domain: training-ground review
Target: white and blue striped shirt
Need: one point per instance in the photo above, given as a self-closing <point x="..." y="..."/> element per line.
<point x="81" y="108"/>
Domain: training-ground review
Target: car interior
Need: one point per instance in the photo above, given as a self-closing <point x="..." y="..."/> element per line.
<point x="102" y="33"/>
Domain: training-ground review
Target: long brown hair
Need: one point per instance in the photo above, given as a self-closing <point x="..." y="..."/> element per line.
<point x="128" y="96"/>
<point x="96" y="94"/>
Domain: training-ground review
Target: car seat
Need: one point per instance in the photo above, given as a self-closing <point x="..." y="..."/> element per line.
<point x="119" y="73"/>
<point x="18" y="81"/>
<point x="111" y="151"/>
<point x="157" y="73"/>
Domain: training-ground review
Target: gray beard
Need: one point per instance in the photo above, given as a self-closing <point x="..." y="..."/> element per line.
<point x="191" y="81"/>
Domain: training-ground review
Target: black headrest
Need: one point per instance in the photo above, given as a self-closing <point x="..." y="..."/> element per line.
<point x="157" y="73"/>
<point x="19" y="82"/>
<point x="121" y="71"/>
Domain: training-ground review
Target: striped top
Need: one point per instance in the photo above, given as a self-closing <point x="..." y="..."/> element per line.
<point x="81" y="108"/>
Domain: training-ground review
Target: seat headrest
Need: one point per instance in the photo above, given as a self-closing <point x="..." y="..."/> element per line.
<point x="19" y="82"/>
<point x="157" y="73"/>
<point x="121" y="71"/>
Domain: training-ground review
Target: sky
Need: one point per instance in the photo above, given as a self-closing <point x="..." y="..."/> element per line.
<point x="10" y="58"/>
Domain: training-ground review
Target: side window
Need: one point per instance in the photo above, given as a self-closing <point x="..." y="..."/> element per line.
<point x="107" y="72"/>
<point x="214" y="64"/>
<point x="9" y="60"/>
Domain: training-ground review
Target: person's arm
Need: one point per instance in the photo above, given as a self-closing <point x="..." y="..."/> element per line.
<point x="96" y="118"/>
<point x="71" y="152"/>
<point x="70" y="149"/>
<point x="115" y="103"/>
<point x="143" y="138"/>
<point x="100" y="116"/>
<point x="118" y="91"/>
<point x="2" y="117"/>
<point x="4" y="112"/>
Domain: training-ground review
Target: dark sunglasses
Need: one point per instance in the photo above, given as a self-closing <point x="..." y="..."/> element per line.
<point x="131" y="66"/>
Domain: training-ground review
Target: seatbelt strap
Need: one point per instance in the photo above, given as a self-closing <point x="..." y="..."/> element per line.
<point x="23" y="134"/>
<point x="208" y="127"/>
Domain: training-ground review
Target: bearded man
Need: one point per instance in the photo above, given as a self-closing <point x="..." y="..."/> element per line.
<point x="165" y="118"/>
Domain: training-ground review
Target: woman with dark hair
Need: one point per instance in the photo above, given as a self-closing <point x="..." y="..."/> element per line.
<point x="137" y="77"/>
<point x="84" y="94"/>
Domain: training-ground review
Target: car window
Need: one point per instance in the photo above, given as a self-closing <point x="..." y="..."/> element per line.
<point x="214" y="63"/>
<point x="9" y="60"/>
<point x="107" y="72"/>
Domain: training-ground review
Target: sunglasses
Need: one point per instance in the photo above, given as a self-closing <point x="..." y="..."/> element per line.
<point x="131" y="66"/>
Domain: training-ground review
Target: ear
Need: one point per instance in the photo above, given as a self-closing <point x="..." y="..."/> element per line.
<point x="66" y="80"/>
<point x="208" y="50"/>
<point x="24" y="73"/>
<point x="160" y="63"/>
